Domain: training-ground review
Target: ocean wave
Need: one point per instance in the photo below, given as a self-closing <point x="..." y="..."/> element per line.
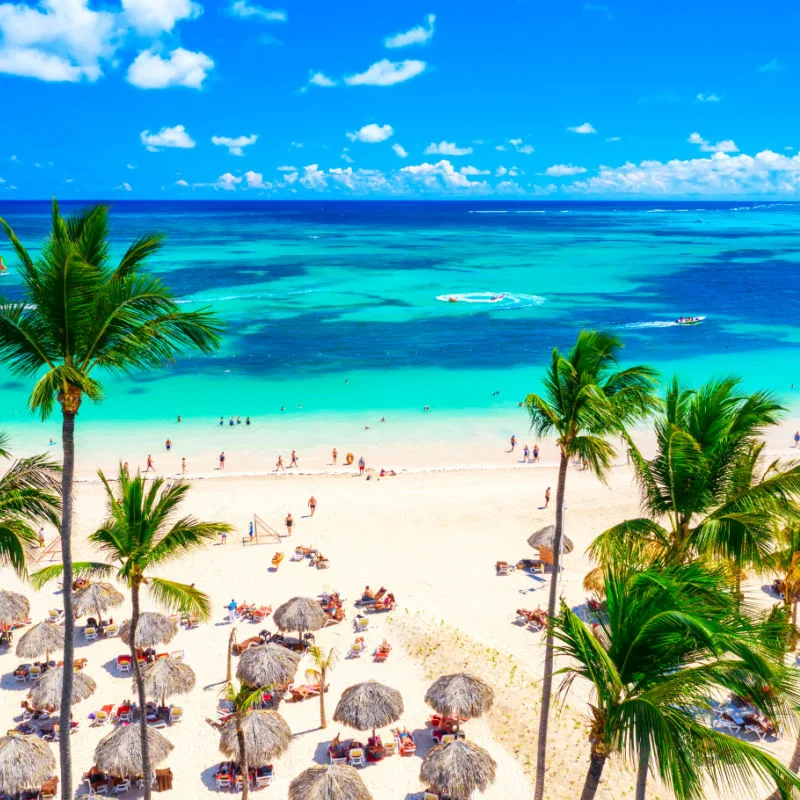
<point x="498" y="211"/>
<point x="502" y="300"/>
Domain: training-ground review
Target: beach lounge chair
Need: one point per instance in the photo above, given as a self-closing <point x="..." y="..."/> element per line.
<point x="503" y="568"/>
<point x="382" y="653"/>
<point x="124" y="714"/>
<point x="223" y="781"/>
<point x="104" y="715"/>
<point x="405" y="742"/>
<point x="96" y="784"/>
<point x="121" y="785"/>
<point x="22" y="673"/>
<point x="264" y="776"/>
<point x="356" y="757"/>
<point x="89" y="634"/>
<point x="430" y="796"/>
<point x="34" y="672"/>
<point x="55" y="615"/>
<point x="356" y="649"/>
<point x="175" y="714"/>
<point x="124" y="664"/>
<point x="260" y="614"/>
<point x="360" y="624"/>
<point x="389" y="748"/>
<point x="49" y="789"/>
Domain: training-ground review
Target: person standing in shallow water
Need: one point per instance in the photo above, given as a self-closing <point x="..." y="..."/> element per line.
<point x="797" y="438"/>
<point x="222" y="460"/>
<point x="334" y="455"/>
<point x="183" y="465"/>
<point x="361" y="465"/>
<point x="547" y="497"/>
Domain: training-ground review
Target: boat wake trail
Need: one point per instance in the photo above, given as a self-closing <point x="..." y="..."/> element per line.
<point x="653" y="324"/>
<point x="502" y="300"/>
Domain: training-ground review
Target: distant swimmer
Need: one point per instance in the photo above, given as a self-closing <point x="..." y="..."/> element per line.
<point x="452" y="299"/>
<point x="496" y="297"/>
<point x="495" y="394"/>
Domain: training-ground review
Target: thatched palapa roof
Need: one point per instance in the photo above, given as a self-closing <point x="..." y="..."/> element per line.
<point x="266" y="736"/>
<point x="267" y="665"/>
<point x="166" y="677"/>
<point x="95" y="599"/>
<point x="460" y="695"/>
<point x="153" y="628"/>
<point x="369" y="705"/>
<point x="41" y="640"/>
<point x="544" y="539"/>
<point x="46" y="690"/>
<point x="13" y="606"/>
<point x="329" y="782"/>
<point x="120" y="753"/>
<point x="300" y="614"/>
<point x="26" y="762"/>
<point x="457" y="769"/>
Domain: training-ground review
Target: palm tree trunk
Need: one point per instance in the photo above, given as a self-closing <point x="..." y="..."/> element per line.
<point x="547" y="682"/>
<point x="137" y="674"/>
<point x="641" y="776"/>
<point x="67" y="477"/>
<point x="592" y="783"/>
<point x="231" y="640"/>
<point x="243" y="765"/>
<point x="794" y="766"/>
<point x="323" y="723"/>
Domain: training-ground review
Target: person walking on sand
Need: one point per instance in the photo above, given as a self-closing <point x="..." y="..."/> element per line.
<point x="126" y="470"/>
<point x="222" y="460"/>
<point x="361" y="465"/>
<point x="312" y="504"/>
<point x="535" y="453"/>
<point x="289" y="523"/>
<point x="232" y="611"/>
<point x="293" y="462"/>
<point x="41" y="537"/>
<point x="251" y="531"/>
<point x="150" y="464"/>
<point x="168" y="444"/>
<point x="525" y="454"/>
<point x="547" y="497"/>
<point x="279" y="466"/>
<point x="797" y="438"/>
<point x="183" y="465"/>
<point x="513" y="443"/>
<point x="223" y="538"/>
<point x="334" y="455"/>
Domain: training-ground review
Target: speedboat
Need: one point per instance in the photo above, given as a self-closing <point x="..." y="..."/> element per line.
<point x="689" y="320"/>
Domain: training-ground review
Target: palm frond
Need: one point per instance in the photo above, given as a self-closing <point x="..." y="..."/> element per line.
<point x="175" y="596"/>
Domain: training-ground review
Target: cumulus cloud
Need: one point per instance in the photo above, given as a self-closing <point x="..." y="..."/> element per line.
<point x="157" y="16"/>
<point x="584" y="128"/>
<point x="320" y="79"/>
<point x="473" y="171"/>
<point x="167" y="137"/>
<point x="525" y="149"/>
<point x="124" y="187"/>
<point x="228" y="181"/>
<point x="447" y="149"/>
<point x="131" y="166"/>
<point x="725" y="146"/>
<point x="708" y="97"/>
<point x="771" y="66"/>
<point x="181" y="182"/>
<point x="286" y="168"/>
<point x="400" y="150"/>
<point x="61" y="40"/>
<point x="563" y="170"/>
<point x="346" y="157"/>
<point x="387" y="73"/>
<point x="501" y="171"/>
<point x="255" y="180"/>
<point x="371" y="134"/>
<point x="442" y="175"/>
<point x="313" y="177"/>
<point x="246" y="10"/>
<point x="419" y="35"/>
<point x="236" y="144"/>
<point x="182" y="68"/>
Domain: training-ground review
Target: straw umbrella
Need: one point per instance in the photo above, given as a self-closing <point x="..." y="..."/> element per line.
<point x="300" y="614"/>
<point x="329" y="782"/>
<point x="460" y="695"/>
<point x="266" y="736"/>
<point x="95" y="599"/>
<point x="26" y="762"/>
<point x="369" y="705"/>
<point x="120" y="753"/>
<point x="165" y="677"/>
<point x="267" y="665"/>
<point x="544" y="540"/>
<point x="46" y="692"/>
<point x="41" y="639"/>
<point x="13" y="606"/>
<point x="153" y="629"/>
<point x="457" y="769"/>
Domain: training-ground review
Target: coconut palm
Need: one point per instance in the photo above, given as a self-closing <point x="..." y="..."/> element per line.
<point x="706" y="491"/>
<point x="667" y="642"/>
<point x="140" y="534"/>
<point x="586" y="399"/>
<point x="82" y="317"/>
<point x="785" y="560"/>
<point x="251" y="733"/>
<point x="29" y="492"/>
<point x="318" y="673"/>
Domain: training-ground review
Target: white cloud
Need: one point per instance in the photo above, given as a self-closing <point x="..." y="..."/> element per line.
<point x="321" y="79"/>
<point x="708" y="97"/>
<point x="501" y="171"/>
<point x="387" y="73"/>
<point x="447" y="149"/>
<point x="400" y="150"/>
<point x="562" y="170"/>
<point x="183" y="68"/>
<point x="473" y="171"/>
<point x="766" y="173"/>
<point x="131" y="166"/>
<point x="287" y="169"/>
<point x="500" y="148"/>
<point x="291" y="177"/>
<point x="347" y="158"/>
<point x="60" y="40"/>
<point x="181" y="182"/>
<point x="771" y="66"/>
<point x="586" y="127"/>
<point x="371" y="133"/>
<point x="236" y="144"/>
<point x="228" y="181"/>
<point x="125" y="187"/>
<point x="614" y="139"/>
<point x="525" y="149"/>
<point x="245" y="10"/>
<point x="167" y="137"/>
<point x="68" y="180"/>
<point x="255" y="180"/>
<point x="313" y="177"/>
<point x="297" y="145"/>
<point x="419" y="35"/>
<point x="157" y="16"/>
<point x="725" y="146"/>
<point x="442" y="175"/>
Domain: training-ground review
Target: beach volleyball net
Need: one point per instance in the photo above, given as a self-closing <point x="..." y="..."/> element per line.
<point x="263" y="532"/>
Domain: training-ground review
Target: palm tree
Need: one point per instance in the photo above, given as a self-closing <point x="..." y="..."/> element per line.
<point x="81" y="315"/>
<point x="705" y="492"/>
<point x="141" y="533"/>
<point x="318" y="673"/>
<point x="785" y="560"/>
<point x="666" y="643"/>
<point x="586" y="399"/>
<point x="28" y="495"/>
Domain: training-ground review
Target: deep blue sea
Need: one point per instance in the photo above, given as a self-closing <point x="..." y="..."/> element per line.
<point x="344" y="308"/>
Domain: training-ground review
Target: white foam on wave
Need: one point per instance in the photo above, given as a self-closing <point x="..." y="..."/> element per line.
<point x="498" y="211"/>
<point x="497" y="299"/>
<point x="654" y="324"/>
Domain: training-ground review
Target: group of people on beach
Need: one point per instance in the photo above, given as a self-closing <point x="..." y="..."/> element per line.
<point x="528" y="456"/>
<point x="231" y="421"/>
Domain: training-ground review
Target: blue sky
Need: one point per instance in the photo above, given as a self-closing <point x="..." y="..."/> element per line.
<point x="173" y="98"/>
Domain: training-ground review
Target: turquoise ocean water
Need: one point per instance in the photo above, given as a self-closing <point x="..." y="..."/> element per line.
<point x="342" y="307"/>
